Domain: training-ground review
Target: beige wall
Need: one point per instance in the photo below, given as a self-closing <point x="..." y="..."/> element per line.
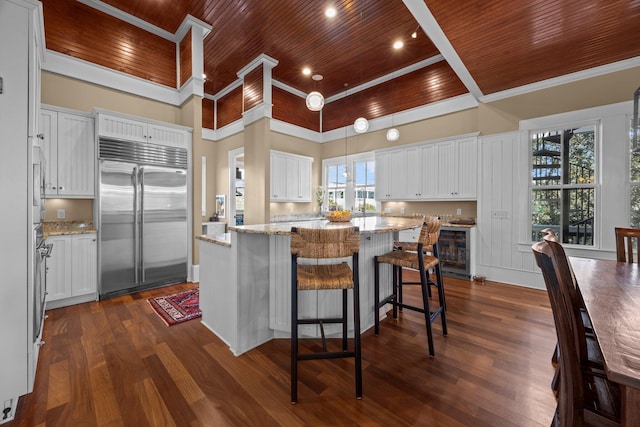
<point x="74" y="209"/>
<point x="78" y="95"/>
<point x="489" y="118"/>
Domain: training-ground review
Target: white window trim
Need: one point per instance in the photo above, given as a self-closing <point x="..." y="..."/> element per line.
<point x="350" y="160"/>
<point x="596" y="185"/>
<point x="612" y="189"/>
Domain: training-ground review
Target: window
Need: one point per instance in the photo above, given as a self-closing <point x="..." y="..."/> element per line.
<point x="350" y="183"/>
<point x="336" y="185"/>
<point x="563" y="183"/>
<point x="365" y="186"/>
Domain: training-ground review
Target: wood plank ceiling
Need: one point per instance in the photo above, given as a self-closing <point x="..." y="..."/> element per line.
<point x="503" y="46"/>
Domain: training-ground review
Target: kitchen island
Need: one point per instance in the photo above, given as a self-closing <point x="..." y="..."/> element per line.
<point x="245" y="279"/>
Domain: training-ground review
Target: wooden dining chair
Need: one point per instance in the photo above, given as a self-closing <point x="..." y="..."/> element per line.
<point x="626" y="240"/>
<point x="585" y="396"/>
<point x="318" y="264"/>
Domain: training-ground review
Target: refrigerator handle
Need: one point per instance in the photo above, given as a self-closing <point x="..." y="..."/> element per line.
<point x="136" y="227"/>
<point x="140" y="236"/>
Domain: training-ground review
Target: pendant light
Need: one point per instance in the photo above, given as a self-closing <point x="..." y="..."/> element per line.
<point x="635" y="121"/>
<point x="315" y="101"/>
<point x="361" y="125"/>
<point x="393" y="134"/>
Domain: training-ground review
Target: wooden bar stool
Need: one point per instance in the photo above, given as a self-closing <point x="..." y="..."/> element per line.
<point x="422" y="258"/>
<point x="323" y="267"/>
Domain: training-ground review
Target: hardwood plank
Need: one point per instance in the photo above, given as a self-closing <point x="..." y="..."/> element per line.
<point x="492" y="370"/>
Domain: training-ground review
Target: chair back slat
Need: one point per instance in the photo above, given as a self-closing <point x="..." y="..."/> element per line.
<point x="627" y="244"/>
<point x="336" y="242"/>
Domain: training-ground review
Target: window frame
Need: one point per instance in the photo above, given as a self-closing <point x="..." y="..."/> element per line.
<point x="562" y="187"/>
<point x="350" y="160"/>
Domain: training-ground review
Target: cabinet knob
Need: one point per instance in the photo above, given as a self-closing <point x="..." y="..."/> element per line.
<point x="40" y="136"/>
<point x="41" y="343"/>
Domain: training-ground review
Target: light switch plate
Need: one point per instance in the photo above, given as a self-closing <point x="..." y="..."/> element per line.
<point x="61" y="214"/>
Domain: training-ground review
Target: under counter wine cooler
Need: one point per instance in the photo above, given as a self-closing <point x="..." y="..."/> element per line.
<point x="456" y="251"/>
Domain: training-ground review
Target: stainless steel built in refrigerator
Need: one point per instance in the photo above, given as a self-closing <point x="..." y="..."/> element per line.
<point x="142" y="216"/>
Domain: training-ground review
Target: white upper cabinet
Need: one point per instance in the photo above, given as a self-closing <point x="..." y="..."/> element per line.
<point x="126" y="129"/>
<point x="459" y="169"/>
<point x="421" y="163"/>
<point x="69" y="147"/>
<point x="121" y="128"/>
<point x="278" y="181"/>
<point x="290" y="177"/>
<point x="442" y="170"/>
<point x="390" y="175"/>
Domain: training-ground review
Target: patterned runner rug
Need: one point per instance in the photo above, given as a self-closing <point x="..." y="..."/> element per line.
<point x="177" y="308"/>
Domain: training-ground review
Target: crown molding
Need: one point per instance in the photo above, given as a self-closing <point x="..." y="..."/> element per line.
<point x="565" y="79"/>
<point x="130" y="19"/>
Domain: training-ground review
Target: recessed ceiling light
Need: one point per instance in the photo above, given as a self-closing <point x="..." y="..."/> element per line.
<point x="330" y="12"/>
<point x="398" y="44"/>
<point x="306" y="71"/>
<point x="317" y="77"/>
<point x="414" y="35"/>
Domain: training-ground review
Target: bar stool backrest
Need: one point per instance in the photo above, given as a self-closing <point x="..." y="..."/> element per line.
<point x="429" y="234"/>
<point x="336" y="242"/>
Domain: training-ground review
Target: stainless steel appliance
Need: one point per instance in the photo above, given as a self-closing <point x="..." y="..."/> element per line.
<point x="142" y="216"/>
<point x="42" y="251"/>
<point x="38" y="181"/>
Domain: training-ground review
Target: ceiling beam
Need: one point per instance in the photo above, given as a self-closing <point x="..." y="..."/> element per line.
<point x="430" y="26"/>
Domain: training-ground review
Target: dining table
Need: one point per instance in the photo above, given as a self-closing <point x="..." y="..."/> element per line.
<point x="611" y="294"/>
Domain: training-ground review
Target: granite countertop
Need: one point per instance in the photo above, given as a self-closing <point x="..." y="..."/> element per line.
<point x="218" y="239"/>
<point x="367" y="225"/>
<point x="60" y="228"/>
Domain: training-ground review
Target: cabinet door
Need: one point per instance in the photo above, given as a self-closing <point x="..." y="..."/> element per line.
<point x="448" y="171"/>
<point x="49" y="132"/>
<point x="59" y="268"/>
<point x="76" y="155"/>
<point x="163" y="135"/>
<point x="413" y="172"/>
<point x="293" y="178"/>
<point x="304" y="176"/>
<point x="390" y="175"/>
<point x="84" y="278"/>
<point x="397" y="176"/>
<point x="120" y="128"/>
<point x="467" y="168"/>
<point x="382" y="176"/>
<point x="430" y="171"/>
<point x="278" y="176"/>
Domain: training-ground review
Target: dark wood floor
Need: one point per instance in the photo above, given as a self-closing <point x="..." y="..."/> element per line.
<point x="115" y="363"/>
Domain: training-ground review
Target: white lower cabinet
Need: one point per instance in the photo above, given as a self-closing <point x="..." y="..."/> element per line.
<point x="72" y="270"/>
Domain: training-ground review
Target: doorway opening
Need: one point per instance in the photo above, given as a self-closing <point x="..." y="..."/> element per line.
<point x="236" y="186"/>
